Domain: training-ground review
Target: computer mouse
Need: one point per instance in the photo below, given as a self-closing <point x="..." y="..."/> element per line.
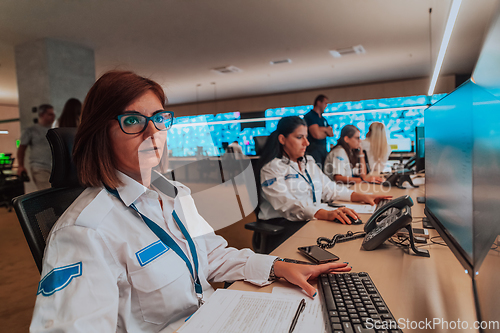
<point x="353" y="220"/>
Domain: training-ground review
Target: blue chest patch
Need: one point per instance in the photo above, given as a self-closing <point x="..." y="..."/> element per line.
<point x="151" y="252"/>
<point x="59" y="278"/>
<point x="340" y="158"/>
<point x="292" y="175"/>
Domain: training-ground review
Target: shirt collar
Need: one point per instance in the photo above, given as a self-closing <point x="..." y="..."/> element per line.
<point x="131" y="190"/>
<point x="287" y="161"/>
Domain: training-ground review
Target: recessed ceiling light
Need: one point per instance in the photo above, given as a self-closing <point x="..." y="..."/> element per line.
<point x="357" y="49"/>
<point x="283" y="61"/>
<point x="227" y="69"/>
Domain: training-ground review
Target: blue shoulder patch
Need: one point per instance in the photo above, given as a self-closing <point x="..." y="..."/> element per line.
<point x="269" y="182"/>
<point x="59" y="278"/>
<point x="340" y="158"/>
<point x="151" y="252"/>
<point x="292" y="175"/>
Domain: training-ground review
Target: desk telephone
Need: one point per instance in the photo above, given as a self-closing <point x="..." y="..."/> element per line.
<point x="387" y="220"/>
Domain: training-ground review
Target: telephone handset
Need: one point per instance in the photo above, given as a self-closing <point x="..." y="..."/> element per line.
<point x="383" y="211"/>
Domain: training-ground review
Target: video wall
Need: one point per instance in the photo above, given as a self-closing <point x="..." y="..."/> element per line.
<point x="207" y="135"/>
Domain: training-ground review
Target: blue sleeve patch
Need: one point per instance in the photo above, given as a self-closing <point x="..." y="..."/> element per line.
<point x="59" y="278"/>
<point x="340" y="158"/>
<point x="269" y="182"/>
<point x="292" y="175"/>
<point x="151" y="252"/>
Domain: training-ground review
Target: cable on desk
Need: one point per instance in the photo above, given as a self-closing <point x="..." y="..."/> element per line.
<point x="438" y="243"/>
<point x="327" y="243"/>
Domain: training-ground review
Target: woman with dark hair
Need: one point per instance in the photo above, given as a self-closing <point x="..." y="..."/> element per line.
<point x="132" y="254"/>
<point x="346" y="162"/>
<point x="70" y="116"/>
<point x="293" y="186"/>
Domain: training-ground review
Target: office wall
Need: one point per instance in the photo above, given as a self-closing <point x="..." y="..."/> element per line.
<point x="8" y="141"/>
<point x="336" y="94"/>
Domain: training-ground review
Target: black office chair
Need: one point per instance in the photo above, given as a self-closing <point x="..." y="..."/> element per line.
<point x="38" y="211"/>
<point x="269" y="234"/>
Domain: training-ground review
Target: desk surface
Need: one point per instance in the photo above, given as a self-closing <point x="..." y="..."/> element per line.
<point x="414" y="288"/>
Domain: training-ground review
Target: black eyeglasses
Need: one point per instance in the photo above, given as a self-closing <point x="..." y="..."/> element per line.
<point x="135" y="123"/>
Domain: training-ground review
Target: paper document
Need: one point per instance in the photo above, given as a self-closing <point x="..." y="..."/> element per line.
<point x="229" y="311"/>
<point x="360" y="209"/>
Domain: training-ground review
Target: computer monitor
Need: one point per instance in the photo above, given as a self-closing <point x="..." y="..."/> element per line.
<point x="462" y="165"/>
<point x="260" y="142"/>
<point x="400" y="145"/>
<point x="419" y="149"/>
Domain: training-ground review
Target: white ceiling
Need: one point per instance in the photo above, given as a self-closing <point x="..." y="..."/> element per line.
<point x="178" y="42"/>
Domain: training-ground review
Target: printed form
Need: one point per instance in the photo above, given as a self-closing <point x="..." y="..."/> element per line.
<point x="229" y="311"/>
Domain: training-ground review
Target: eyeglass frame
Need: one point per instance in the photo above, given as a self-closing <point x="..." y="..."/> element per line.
<point x="131" y="113"/>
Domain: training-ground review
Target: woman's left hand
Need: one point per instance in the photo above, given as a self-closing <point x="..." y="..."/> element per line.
<point x="299" y="274"/>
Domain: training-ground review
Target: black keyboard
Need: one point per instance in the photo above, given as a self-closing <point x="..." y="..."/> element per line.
<point x="352" y="304"/>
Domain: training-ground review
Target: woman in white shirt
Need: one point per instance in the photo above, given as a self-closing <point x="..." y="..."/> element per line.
<point x="293" y="186"/>
<point x="345" y="163"/>
<point x="132" y="254"/>
<point x="376" y="147"/>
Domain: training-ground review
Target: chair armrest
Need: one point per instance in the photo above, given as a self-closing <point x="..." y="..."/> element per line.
<point x="265" y="228"/>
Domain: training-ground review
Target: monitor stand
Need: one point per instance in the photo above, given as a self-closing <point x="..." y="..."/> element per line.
<point x="418" y="252"/>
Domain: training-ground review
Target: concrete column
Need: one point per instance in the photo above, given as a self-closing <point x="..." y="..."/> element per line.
<point x="51" y="71"/>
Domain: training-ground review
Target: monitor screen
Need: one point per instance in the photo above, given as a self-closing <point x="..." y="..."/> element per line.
<point x="419" y="148"/>
<point x="400" y="144"/>
<point x="462" y="164"/>
<point x="448" y="170"/>
<point x="260" y="142"/>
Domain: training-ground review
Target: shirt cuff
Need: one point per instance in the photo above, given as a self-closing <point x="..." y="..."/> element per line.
<point x="257" y="269"/>
<point x="309" y="212"/>
<point x="344" y="194"/>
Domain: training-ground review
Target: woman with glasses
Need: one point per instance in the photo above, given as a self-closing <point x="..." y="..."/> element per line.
<point x="132" y="254"/>
<point x="346" y="163"/>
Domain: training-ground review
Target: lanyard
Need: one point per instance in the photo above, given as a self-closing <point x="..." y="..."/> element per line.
<point x="167" y="240"/>
<point x="308" y="180"/>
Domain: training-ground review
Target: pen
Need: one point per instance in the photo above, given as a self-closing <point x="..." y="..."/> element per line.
<point x="301" y="307"/>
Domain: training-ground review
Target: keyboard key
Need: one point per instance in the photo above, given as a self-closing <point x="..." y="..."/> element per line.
<point x="335" y="320"/>
<point x="347" y="327"/>
<point x="345" y="318"/>
<point x="337" y="326"/>
<point x="333" y="313"/>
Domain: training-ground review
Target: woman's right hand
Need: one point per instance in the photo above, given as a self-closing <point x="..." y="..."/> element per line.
<point x="373" y="179"/>
<point x="341" y="214"/>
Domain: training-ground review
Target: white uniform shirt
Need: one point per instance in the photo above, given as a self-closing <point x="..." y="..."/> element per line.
<point x="376" y="165"/>
<point x="337" y="163"/>
<point x="286" y="193"/>
<point x="104" y="270"/>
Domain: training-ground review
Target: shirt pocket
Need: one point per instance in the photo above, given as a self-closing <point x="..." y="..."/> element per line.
<point x="164" y="288"/>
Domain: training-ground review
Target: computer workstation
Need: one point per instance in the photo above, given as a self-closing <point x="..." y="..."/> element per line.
<point x="461" y="181"/>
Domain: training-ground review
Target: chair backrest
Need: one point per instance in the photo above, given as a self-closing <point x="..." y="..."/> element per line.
<point x="38" y="211"/>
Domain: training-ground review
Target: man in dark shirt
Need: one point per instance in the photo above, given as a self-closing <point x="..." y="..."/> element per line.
<point x="318" y="130"/>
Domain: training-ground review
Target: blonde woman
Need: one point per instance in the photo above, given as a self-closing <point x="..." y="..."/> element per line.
<point x="376" y="147"/>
